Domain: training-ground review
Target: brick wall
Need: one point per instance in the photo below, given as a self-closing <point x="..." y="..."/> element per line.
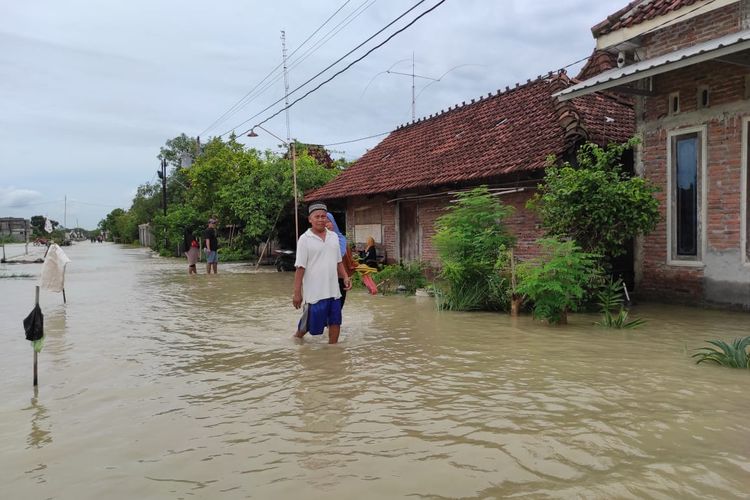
<point x="717" y="23"/>
<point x="523" y="223"/>
<point x="723" y="122"/>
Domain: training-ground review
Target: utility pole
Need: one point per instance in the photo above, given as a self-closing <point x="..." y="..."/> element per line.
<point x="413" y="97"/>
<point x="163" y="176"/>
<point x="290" y="144"/>
<point x="65" y="213"/>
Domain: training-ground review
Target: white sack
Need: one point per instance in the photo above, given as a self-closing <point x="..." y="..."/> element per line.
<point x="53" y="269"/>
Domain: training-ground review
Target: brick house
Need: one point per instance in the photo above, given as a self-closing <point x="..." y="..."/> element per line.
<point x="15" y="228"/>
<point x="397" y="190"/>
<point x="687" y="63"/>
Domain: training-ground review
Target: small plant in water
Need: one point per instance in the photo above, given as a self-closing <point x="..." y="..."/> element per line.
<point x="610" y="298"/>
<point x="733" y="355"/>
<point x="557" y="282"/>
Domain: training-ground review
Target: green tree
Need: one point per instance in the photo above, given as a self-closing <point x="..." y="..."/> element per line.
<point x="595" y="202"/>
<point x="37" y="226"/>
<point x="179" y="148"/>
<point x="116" y="223"/>
<point x="558" y="282"/>
<point x="471" y="239"/>
<point x="179" y="219"/>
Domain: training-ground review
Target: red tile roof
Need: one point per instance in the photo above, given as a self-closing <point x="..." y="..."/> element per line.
<point x="637" y="12"/>
<point x="508" y="132"/>
<point x="599" y="61"/>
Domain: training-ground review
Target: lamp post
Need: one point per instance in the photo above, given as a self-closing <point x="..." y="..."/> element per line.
<point x="293" y="152"/>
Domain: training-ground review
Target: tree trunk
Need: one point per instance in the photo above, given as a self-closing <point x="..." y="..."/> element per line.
<point x="515" y="305"/>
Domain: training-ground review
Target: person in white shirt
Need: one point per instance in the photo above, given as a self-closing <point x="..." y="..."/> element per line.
<point x="316" y="283"/>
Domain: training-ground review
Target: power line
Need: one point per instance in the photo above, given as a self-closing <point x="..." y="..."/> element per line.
<point x="237" y="105"/>
<point x="326" y="38"/>
<point x="355" y="61"/>
<point x="333" y="64"/>
<point x="356" y="140"/>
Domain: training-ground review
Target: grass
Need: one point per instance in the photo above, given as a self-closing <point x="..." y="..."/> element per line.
<point x="732" y="355"/>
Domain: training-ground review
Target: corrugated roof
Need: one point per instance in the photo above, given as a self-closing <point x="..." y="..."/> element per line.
<point x="712" y="49"/>
<point x="637" y="12"/>
<point x="508" y="132"/>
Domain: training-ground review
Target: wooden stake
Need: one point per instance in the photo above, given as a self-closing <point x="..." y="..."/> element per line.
<point x="36" y="379"/>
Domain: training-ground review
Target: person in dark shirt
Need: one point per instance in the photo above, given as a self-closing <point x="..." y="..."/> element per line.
<point x="371" y="256"/>
<point x="211" y="245"/>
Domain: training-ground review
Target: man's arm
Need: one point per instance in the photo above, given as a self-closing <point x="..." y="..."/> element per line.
<point x="297" y="297"/>
<point x="342" y="274"/>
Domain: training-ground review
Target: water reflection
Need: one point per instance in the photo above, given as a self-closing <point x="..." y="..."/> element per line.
<point x="40" y="432"/>
<point x="324" y="404"/>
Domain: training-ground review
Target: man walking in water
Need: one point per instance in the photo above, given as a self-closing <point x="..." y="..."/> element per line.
<point x="211" y="245"/>
<point x="318" y="268"/>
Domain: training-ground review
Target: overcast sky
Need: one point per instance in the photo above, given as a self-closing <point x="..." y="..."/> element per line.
<point x="90" y="90"/>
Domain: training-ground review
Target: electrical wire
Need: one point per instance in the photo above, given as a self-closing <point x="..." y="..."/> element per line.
<point x="295" y="62"/>
<point x="353" y="62"/>
<point x="339" y="60"/>
<point x="239" y="104"/>
<point x="356" y="140"/>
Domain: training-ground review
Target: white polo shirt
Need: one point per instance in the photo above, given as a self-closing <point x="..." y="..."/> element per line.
<point x="320" y="260"/>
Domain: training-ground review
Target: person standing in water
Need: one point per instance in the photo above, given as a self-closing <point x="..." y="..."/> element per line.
<point x="316" y="284"/>
<point x="211" y="246"/>
<point x="346" y="255"/>
<point x="192" y="251"/>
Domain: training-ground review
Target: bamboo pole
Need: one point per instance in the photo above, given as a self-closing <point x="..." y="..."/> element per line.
<point x="36" y="379"/>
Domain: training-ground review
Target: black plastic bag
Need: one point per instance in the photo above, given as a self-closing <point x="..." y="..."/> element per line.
<point x="34" y="324"/>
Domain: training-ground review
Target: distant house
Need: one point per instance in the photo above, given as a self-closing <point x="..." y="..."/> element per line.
<point x="397" y="190"/>
<point x="15" y="228"/>
<point x="688" y="65"/>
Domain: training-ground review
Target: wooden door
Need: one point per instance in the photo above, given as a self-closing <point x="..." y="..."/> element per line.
<point x="408" y="222"/>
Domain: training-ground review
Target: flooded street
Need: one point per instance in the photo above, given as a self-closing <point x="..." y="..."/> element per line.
<point x="156" y="384"/>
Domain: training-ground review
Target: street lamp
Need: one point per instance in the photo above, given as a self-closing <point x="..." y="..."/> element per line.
<point x="293" y="152"/>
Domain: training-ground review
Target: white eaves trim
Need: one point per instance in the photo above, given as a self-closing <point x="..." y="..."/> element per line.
<point x="706" y="51"/>
<point x="623" y="35"/>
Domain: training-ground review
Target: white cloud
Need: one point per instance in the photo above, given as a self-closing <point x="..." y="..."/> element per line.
<point x="11" y="197"/>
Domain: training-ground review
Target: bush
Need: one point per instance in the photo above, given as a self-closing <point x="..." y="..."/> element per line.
<point x="595" y="202"/>
<point x="732" y="355"/>
<point x="409" y="276"/>
<point x="610" y="298"/>
<point x="470" y="240"/>
<point x="557" y="282"/>
<point x="228" y="254"/>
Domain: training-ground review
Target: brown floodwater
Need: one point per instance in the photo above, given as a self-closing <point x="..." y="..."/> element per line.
<point x="156" y="384"/>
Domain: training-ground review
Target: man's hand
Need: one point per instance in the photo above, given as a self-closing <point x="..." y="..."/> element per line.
<point x="297" y="300"/>
<point x="347" y="283"/>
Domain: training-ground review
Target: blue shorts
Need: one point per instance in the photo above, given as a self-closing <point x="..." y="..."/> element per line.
<point x="212" y="257"/>
<point x="315" y="317"/>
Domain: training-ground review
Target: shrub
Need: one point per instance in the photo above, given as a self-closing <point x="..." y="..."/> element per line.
<point x="229" y="254"/>
<point x="409" y="276"/>
<point x="595" y="202"/>
<point x="732" y="355"/>
<point x="610" y="298"/>
<point x="557" y="282"/>
<point x="470" y="239"/>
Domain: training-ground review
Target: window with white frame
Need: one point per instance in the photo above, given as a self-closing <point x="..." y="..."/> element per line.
<point x="686" y="178"/>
